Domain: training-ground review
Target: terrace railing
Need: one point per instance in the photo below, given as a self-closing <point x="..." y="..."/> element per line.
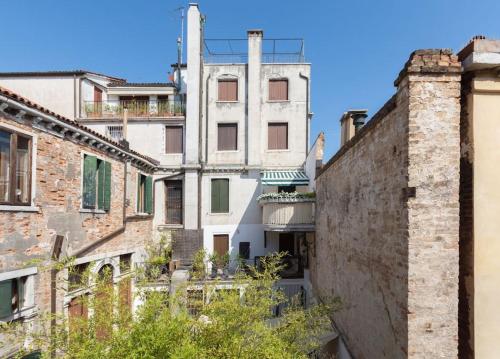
<point x="141" y="109"/>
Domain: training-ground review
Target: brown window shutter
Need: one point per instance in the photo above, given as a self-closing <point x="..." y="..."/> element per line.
<point x="278" y="90"/>
<point x="97" y="94"/>
<point x="227" y="137"/>
<point x="277" y="136"/>
<point x="228" y="90"/>
<point x="173" y="139"/>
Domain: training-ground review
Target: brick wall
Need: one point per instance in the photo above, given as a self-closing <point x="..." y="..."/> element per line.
<point x="28" y="236"/>
<point x="387" y="219"/>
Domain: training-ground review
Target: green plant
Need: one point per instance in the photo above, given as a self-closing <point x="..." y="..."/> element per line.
<point x="198" y="270"/>
<point x="224" y="260"/>
<point x="286" y="195"/>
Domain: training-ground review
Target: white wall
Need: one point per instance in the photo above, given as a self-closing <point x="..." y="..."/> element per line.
<point x="54" y="93"/>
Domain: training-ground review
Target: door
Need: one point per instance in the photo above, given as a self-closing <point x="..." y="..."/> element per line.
<point x="97" y="101"/>
<point x="174" y="202"/>
<point x="287" y="243"/>
<point x="221" y="244"/>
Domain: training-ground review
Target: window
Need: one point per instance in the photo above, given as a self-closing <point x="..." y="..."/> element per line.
<point x="228" y="90"/>
<point x="78" y="276"/>
<point x="220" y="195"/>
<point x="244" y="250"/>
<point x="115" y="132"/>
<point x="12" y="296"/>
<point x="125" y="262"/>
<point x="145" y="194"/>
<point x="277" y="136"/>
<point x="287" y="189"/>
<point x="278" y="90"/>
<point x="96" y="183"/>
<point x="227" y="137"/>
<point x="174" y="202"/>
<point x="173" y="139"/>
<point x="15" y="168"/>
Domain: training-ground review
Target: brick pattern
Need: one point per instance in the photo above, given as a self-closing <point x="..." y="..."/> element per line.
<point x="27" y="236"/>
<point x="387" y="220"/>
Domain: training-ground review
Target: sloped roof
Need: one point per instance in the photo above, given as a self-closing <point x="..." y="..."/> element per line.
<point x="20" y="99"/>
<point x="57" y="73"/>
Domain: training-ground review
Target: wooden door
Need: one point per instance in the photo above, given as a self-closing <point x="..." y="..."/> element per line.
<point x="174" y="202"/>
<point x="221" y="244"/>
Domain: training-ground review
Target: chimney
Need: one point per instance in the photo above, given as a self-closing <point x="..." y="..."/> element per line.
<point x="350" y="123"/>
<point x="254" y="93"/>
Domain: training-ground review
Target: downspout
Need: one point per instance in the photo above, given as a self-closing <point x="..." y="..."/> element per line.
<point x="307" y="110"/>
<point x="74" y="97"/>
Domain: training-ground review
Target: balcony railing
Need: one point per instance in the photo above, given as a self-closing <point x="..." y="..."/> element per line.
<point x="141" y="109"/>
<point x="288" y="213"/>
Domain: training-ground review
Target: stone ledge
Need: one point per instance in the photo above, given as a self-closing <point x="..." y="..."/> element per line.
<point x="430" y="61"/>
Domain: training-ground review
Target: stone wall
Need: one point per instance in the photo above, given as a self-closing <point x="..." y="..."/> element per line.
<point x="387" y="220"/>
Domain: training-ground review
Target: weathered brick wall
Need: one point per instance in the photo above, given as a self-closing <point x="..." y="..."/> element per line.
<point x="28" y="236"/>
<point x="387" y="220"/>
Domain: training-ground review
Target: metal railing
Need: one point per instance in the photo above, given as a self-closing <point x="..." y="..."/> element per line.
<point x="139" y="108"/>
<point x="235" y="51"/>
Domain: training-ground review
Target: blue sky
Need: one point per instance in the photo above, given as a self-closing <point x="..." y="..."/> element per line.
<point x="356" y="47"/>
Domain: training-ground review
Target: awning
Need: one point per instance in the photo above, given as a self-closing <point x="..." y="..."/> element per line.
<point x="284" y="178"/>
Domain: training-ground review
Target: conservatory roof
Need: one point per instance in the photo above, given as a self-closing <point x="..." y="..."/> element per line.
<point x="284" y="178"/>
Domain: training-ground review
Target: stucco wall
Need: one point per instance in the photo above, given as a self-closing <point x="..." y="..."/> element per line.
<point x="480" y="228"/>
<point x="55" y="93"/>
<point x="387" y="220"/>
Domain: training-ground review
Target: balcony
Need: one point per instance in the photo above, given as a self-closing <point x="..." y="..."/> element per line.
<point x="287" y="212"/>
<point x="136" y="109"/>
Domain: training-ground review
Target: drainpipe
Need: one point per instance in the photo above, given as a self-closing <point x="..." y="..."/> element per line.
<point x="308" y="114"/>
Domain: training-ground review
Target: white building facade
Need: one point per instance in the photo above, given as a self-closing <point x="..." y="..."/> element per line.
<point x="232" y="126"/>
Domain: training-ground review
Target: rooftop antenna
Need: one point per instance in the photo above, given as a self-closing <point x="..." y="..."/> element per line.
<point x="180" y="45"/>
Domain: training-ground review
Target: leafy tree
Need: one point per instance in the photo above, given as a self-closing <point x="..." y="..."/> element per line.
<point x="218" y="321"/>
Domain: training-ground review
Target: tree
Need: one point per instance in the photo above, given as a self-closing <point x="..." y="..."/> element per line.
<point x="235" y="322"/>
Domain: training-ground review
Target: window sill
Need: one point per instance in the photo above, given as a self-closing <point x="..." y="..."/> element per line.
<point x="9" y="208"/>
<point x="170" y="226"/>
<point x="26" y="312"/>
<point x="281" y="150"/>
<point x="92" y="211"/>
<point x="220" y="101"/>
<point x="227" y="151"/>
<point x="220" y="214"/>
<point x="278" y="101"/>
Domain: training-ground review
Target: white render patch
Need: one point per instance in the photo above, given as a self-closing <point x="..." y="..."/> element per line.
<point x="481" y="60"/>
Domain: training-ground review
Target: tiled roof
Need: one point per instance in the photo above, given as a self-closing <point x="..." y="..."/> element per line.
<point x="18" y="98"/>
<point x="141" y="84"/>
<point x="56" y="73"/>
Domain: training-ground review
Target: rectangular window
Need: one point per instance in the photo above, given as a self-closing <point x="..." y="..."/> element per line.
<point x="12" y="296"/>
<point x="78" y="276"/>
<point x="220" y="195"/>
<point x="15" y="168"/>
<point x="115" y="132"/>
<point x="228" y="90"/>
<point x="125" y="262"/>
<point x="173" y="139"/>
<point x="227" y="137"/>
<point x="277" y="136"/>
<point x="96" y="183"/>
<point x="244" y="250"/>
<point x="174" y="202"/>
<point x="278" y="90"/>
<point x="145" y="194"/>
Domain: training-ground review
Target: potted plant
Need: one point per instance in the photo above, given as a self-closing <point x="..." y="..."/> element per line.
<point x="224" y="263"/>
<point x="214" y="260"/>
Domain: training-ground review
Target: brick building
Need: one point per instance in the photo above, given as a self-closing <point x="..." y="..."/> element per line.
<point x="65" y="190"/>
<point x="407" y="213"/>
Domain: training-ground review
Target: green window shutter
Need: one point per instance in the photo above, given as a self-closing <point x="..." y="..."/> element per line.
<point x="149" y="194"/>
<point x="5" y="298"/>
<point x="215" y="197"/>
<point x="100" y="184"/>
<point x="139" y="180"/>
<point x="220" y="195"/>
<point x="224" y="195"/>
<point x="89" y="181"/>
<point x="107" y="186"/>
